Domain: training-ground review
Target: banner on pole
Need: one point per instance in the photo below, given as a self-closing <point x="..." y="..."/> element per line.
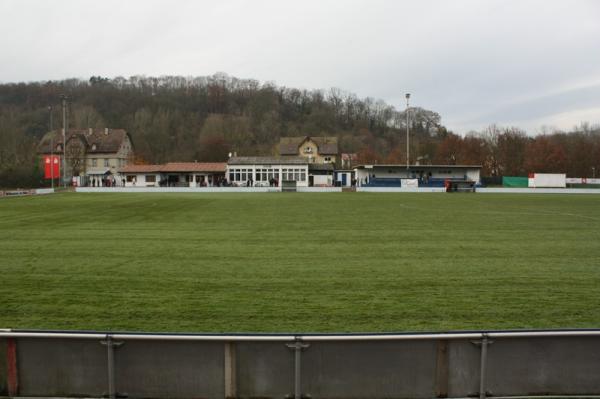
<point x="51" y="167"/>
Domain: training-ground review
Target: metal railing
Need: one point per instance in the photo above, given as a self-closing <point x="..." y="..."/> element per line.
<point x="423" y="365"/>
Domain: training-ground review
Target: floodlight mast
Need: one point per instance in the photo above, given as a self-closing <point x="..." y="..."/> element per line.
<point x="407" y="136"/>
<point x="64" y="134"/>
<point x="51" y="150"/>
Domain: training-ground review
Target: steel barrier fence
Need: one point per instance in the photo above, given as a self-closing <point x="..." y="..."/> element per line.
<point x="425" y="365"/>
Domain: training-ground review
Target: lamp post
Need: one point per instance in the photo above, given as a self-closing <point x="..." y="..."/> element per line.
<point x="407" y="136"/>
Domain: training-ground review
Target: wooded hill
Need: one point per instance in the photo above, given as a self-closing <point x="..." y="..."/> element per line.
<point x="174" y="118"/>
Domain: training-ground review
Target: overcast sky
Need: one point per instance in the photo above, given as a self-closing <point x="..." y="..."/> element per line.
<point x="525" y="63"/>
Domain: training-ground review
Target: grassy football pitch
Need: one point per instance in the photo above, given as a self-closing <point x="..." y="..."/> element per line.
<point x="339" y="262"/>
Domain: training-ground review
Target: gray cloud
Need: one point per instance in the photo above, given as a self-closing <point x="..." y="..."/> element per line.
<point x="527" y="62"/>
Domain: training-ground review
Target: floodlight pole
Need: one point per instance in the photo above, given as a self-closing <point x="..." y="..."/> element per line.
<point x="64" y="134"/>
<point x="51" y="150"/>
<point x="407" y="136"/>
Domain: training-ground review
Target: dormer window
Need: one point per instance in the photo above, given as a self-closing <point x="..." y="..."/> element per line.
<point x="307" y="150"/>
<point x="93" y="147"/>
<point x="59" y="147"/>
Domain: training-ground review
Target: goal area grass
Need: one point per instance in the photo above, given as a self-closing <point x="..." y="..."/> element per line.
<point x="299" y="262"/>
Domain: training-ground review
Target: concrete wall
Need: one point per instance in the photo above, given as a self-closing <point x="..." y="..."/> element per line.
<point x="342" y="366"/>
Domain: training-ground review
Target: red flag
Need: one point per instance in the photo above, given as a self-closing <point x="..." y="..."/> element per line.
<point x="51" y="167"/>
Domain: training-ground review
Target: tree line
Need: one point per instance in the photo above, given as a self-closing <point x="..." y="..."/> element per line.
<point x="174" y="118"/>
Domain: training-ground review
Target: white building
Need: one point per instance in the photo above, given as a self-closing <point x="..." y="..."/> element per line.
<point x="267" y="171"/>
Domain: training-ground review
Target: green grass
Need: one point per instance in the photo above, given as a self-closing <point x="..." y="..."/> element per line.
<point x="299" y="262"/>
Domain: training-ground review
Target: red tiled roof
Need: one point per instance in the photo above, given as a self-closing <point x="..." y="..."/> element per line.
<point x="194" y="167"/>
<point x="140" y="169"/>
<point x="174" y="167"/>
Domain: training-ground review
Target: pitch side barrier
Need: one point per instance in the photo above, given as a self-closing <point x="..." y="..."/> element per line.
<point x="425" y="365"/>
<point x="203" y="189"/>
<point x="509" y="190"/>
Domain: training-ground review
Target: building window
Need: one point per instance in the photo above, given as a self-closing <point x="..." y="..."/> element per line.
<point x="106" y="163"/>
<point x="130" y="178"/>
<point x="94" y="162"/>
<point x="150" y="179"/>
<point x="327" y="159"/>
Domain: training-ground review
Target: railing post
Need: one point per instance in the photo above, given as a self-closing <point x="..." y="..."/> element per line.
<point x="441" y="369"/>
<point x="484" y="342"/>
<point x="298" y="347"/>
<point x="230" y="370"/>
<point x="482" y="370"/>
<point x="110" y="349"/>
<point x="12" y="374"/>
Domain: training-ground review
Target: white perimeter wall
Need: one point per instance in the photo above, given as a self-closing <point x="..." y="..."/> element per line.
<point x="44" y="190"/>
<point x="203" y="189"/>
<point x="401" y="190"/>
<point x="177" y="189"/>
<point x="510" y="190"/>
<point x="319" y="189"/>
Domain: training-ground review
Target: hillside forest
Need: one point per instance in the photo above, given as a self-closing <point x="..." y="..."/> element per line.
<point x="173" y="118"/>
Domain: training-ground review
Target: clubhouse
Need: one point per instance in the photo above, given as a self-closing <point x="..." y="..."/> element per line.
<point x="175" y="174"/>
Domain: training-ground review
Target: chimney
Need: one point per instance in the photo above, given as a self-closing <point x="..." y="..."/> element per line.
<point x="106" y="131"/>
